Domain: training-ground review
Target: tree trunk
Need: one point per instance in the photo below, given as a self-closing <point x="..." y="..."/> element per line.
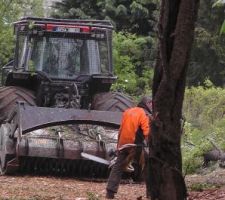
<point x="176" y="33"/>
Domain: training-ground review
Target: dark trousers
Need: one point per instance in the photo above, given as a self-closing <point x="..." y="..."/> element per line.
<point x="116" y="172"/>
<point x="117" y="169"/>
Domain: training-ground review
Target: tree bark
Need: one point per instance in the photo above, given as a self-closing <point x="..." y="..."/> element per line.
<point x="176" y="33"/>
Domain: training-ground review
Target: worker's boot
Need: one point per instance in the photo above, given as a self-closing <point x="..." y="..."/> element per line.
<point x="110" y="194"/>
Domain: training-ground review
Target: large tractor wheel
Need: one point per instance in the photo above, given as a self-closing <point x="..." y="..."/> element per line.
<point x="111" y="101"/>
<point x="9" y="95"/>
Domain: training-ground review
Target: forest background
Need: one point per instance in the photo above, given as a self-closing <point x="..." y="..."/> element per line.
<point x="134" y="54"/>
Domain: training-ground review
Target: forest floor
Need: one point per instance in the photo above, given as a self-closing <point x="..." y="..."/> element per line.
<point x="208" y="186"/>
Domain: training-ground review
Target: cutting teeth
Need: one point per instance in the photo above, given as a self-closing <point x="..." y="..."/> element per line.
<point x="61" y="167"/>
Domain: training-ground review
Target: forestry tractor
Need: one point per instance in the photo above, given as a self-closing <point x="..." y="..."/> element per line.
<point x="57" y="112"/>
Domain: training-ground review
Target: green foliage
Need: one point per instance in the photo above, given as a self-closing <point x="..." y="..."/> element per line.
<point x="132" y="65"/>
<point x="220" y="3"/>
<point x="132" y="16"/>
<point x="204" y="106"/>
<point x="11" y="11"/>
<point x="92" y="196"/>
<point x="208" y="54"/>
<point x="222" y="30"/>
<point x="6" y="44"/>
<point x="8" y="12"/>
<point x="194" y="144"/>
<point x="78" y="9"/>
<point x="30" y="8"/>
<point x="204" y="110"/>
<point x="203" y="186"/>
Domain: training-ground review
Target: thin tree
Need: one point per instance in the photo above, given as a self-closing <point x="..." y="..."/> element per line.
<point x="176" y="33"/>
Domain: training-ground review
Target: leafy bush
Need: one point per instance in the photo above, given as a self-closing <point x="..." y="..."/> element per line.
<point x="204" y="106"/>
<point x="133" y="63"/>
<point x="204" y="111"/>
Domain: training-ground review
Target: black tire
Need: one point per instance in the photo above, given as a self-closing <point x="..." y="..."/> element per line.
<point x="111" y="101"/>
<point x="9" y="95"/>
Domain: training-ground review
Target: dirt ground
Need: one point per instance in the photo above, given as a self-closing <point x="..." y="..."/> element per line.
<point x="214" y="181"/>
<point x="48" y="188"/>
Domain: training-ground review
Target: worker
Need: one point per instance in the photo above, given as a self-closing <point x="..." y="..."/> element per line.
<point x="134" y="129"/>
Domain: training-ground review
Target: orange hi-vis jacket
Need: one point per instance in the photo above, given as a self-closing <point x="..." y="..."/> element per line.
<point x="132" y="119"/>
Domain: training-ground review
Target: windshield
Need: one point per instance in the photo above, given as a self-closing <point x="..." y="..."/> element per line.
<point x="67" y="57"/>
